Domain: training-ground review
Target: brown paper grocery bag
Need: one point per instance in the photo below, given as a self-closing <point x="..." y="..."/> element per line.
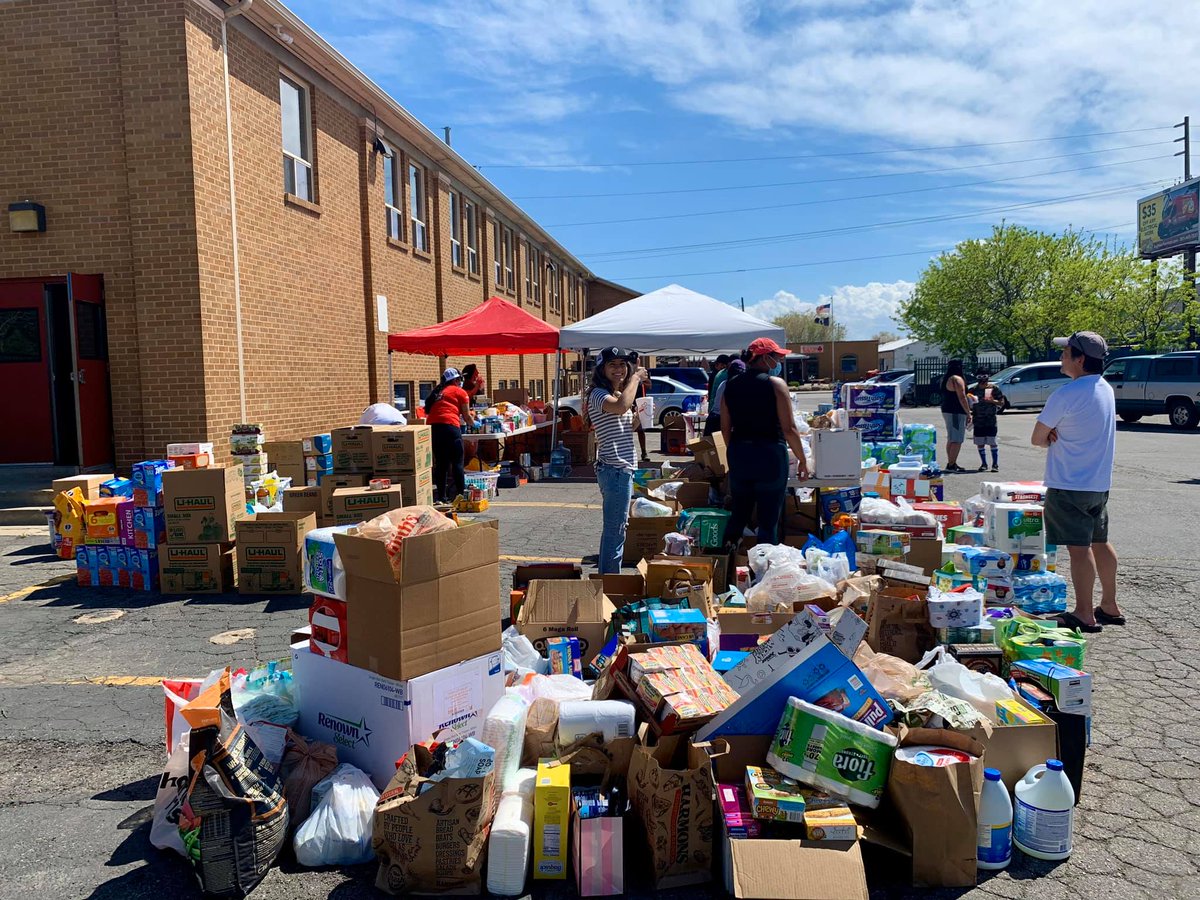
<point x="938" y="807"/>
<point x="671" y="791"/>
<point x="432" y="842"/>
<point x="898" y="624"/>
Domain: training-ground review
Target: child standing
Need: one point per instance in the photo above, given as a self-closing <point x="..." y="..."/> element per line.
<point x="987" y="401"/>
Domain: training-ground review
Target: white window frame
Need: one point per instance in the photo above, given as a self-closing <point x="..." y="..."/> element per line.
<point x="471" y="227"/>
<point x="497" y="262"/>
<point x="294" y="165"/>
<point x="393" y="201"/>
<point x="456" y="249"/>
<point x="510" y="275"/>
<point x="417" y="206"/>
<point x="535" y="267"/>
<point x="553" y="287"/>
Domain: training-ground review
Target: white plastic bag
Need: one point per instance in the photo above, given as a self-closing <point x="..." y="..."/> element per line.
<point x="783" y="587"/>
<point x="168" y="800"/>
<point x="762" y="557"/>
<point x="555" y="688"/>
<point x="644" y="508"/>
<point x="666" y="491"/>
<point x="338" y="833"/>
<point x="520" y="655"/>
<point x="980" y="689"/>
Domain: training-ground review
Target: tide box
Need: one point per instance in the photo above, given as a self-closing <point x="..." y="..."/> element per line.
<point x="352" y="449"/>
<point x="359" y="504"/>
<point x="401" y="449"/>
<point x="270" y="552"/>
<point x="196" y="568"/>
<point x="103" y="517"/>
<point x="203" y="506"/>
<point x="367" y="716"/>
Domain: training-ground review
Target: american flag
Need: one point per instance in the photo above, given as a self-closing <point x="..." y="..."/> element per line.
<point x="824" y="314"/>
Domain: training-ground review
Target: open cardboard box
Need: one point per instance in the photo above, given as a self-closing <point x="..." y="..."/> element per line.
<point x="785" y="869"/>
<point x="1015" y="749"/>
<point x="566" y="608"/>
<point x="622" y="589"/>
<point x="657" y="572"/>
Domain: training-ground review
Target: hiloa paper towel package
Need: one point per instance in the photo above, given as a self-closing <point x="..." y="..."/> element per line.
<point x="832" y="753"/>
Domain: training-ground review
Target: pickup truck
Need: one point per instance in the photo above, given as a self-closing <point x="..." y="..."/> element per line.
<point x="1163" y="384"/>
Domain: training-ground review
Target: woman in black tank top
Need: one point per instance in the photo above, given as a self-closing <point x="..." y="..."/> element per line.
<point x="956" y="412"/>
<point x="758" y="427"/>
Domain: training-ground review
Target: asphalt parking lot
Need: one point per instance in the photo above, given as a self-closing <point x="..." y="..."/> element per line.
<point x="81" y="712"/>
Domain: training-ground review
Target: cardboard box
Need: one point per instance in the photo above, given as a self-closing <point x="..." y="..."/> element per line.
<point x="192" y="461"/>
<point x="303" y="499"/>
<point x="352" y="506"/>
<point x="550" y="571"/>
<point x="417" y="489"/>
<point x="196" y="568"/>
<point x="710" y="452"/>
<point x="1015" y="749"/>
<point x="565" y="608"/>
<point x="582" y="445"/>
<point x="102" y="517"/>
<point x="319" y="464"/>
<point x="801" y="512"/>
<point x="837" y="454"/>
<point x="203" y="505"/>
<point x="318" y="444"/>
<point x="949" y="515"/>
<point x="401" y="449"/>
<point x="692" y="494"/>
<point x="551" y="819"/>
<point x="918" y="488"/>
<point x="660" y="570"/>
<point x="352" y="449"/>
<point x="622" y="589"/>
<point x="1071" y="688"/>
<point x="368" y="716"/>
<point x="284" y="453"/>
<point x="88" y="484"/>
<point x="773" y="867"/>
<point x="442" y="608"/>
<point x="188" y="448"/>
<point x="331" y="483"/>
<point x="270" y="552"/>
<point x="644" y="537"/>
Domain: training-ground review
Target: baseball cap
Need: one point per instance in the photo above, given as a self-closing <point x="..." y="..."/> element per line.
<point x="608" y="354"/>
<point x="1086" y="342"/>
<point x="451" y="374"/>
<point x="762" y="346"/>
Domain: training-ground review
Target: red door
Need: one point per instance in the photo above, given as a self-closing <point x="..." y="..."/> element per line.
<point x="25" y="410"/>
<point x="86" y="293"/>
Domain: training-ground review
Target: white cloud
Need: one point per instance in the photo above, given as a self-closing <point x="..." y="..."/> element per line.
<point x="865" y="309"/>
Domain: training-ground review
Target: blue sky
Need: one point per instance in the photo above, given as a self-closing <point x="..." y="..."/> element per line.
<point x="798" y="137"/>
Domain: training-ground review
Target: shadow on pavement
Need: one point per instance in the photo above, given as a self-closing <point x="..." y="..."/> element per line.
<point x="135" y="790"/>
<point x="38" y="552"/>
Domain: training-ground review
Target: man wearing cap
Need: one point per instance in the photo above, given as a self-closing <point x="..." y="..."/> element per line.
<point x="758" y="427"/>
<point x="615" y="383"/>
<point x="1078" y="428"/>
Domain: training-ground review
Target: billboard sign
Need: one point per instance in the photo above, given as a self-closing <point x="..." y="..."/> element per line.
<point x="1169" y="221"/>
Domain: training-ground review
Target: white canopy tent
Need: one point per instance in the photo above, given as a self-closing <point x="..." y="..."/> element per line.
<point x="671" y="320"/>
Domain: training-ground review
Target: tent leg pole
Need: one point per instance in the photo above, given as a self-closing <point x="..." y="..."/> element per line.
<point x="391" y="387"/>
<point x="554" y="406"/>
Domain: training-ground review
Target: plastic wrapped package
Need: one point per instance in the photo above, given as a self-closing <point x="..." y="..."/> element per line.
<point x="644" y="508"/>
<point x="394" y="526"/>
<point x="338" y="833"/>
<point x="894" y="678"/>
<point x="555" y="688"/>
<point x="762" y="557"/>
<point x="877" y="511"/>
<point x="509" y="844"/>
<point x="579" y="718"/>
<point x="504" y="731"/>
<point x="522" y="782"/>
<point x="305" y="763"/>
<point x="783" y="587"/>
<point x="521" y="656"/>
<point x="266" y="695"/>
<point x="666" y="491"/>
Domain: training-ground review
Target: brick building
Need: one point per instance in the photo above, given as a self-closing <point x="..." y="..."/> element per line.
<point x="243" y="215"/>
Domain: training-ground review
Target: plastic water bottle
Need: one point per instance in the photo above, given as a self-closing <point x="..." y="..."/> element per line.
<point x="560" y="462"/>
<point x="994" y="847"/>
<point x="1045" y="813"/>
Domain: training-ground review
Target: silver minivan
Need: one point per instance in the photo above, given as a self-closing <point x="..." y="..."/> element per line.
<point x="1027" y="386"/>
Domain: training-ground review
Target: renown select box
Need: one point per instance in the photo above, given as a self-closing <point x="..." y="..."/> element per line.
<point x="401" y="449"/>
<point x="352" y="450"/>
<point x="203" y="505"/>
<point x="196" y="568"/>
<point x="352" y="506"/>
<point x="270" y="553"/>
<point x="367" y="716"/>
<point x="440" y="609"/>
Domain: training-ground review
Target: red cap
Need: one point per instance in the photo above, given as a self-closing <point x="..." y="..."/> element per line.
<point x="763" y="346"/>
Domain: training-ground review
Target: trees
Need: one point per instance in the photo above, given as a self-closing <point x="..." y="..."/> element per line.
<point x="1019" y="288"/>
<point x="801" y="329"/>
<point x="885" y="337"/>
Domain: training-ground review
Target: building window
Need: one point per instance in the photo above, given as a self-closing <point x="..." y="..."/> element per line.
<point x="401" y="394"/>
<point x="553" y="288"/>
<point x="392" y="199"/>
<point x="502" y="384"/>
<point x="497" y="263"/>
<point x="533" y="275"/>
<point x="455" y="231"/>
<point x="572" y="296"/>
<point x="425" y="389"/>
<point x="471" y="223"/>
<point x="510" y="277"/>
<point x="849" y="363"/>
<point x="297" y="138"/>
<point x="416" y="205"/>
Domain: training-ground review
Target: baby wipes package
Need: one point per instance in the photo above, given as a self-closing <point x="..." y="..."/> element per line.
<point x="832" y="753"/>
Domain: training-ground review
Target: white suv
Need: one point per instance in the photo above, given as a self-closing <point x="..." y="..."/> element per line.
<point x="1157" y="385"/>
<point x="1028" y="386"/>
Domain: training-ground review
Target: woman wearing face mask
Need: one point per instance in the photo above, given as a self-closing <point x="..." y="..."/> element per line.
<point x="758" y="427"/>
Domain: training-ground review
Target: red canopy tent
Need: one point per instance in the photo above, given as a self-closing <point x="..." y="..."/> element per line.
<point x="494" y="328"/>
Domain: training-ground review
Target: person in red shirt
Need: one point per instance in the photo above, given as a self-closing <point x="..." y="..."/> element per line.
<point x="446" y="408"/>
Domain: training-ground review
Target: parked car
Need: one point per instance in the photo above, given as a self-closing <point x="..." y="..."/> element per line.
<point x="889" y="377"/>
<point x="691" y="376"/>
<point x="671" y="397"/>
<point x="906" y="378"/>
<point x="1157" y="385"/>
<point x="1027" y="386"/>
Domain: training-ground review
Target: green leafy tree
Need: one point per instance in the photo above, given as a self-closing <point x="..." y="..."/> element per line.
<point x="885" y="337"/>
<point x="801" y="328"/>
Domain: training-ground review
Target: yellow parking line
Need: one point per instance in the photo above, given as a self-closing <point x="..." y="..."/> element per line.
<point x="25" y="592"/>
<point x="536" y="559"/>
<point x="104" y="680"/>
<point x="544" y="503"/>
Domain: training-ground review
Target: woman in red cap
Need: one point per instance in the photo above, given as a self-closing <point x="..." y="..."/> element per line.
<point x="758" y="427"/>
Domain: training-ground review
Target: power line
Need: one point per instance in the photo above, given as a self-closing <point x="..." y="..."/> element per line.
<point x="774" y="184"/>
<point x="684" y="249"/>
<point x="920" y="190"/>
<point x="697" y="162"/>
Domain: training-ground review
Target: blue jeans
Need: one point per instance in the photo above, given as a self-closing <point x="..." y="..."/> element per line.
<point x="758" y="475"/>
<point x="616" y="490"/>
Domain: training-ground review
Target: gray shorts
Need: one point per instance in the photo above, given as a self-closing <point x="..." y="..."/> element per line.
<point x="1076" y="518"/>
<point x="985" y="440"/>
<point x="956" y="427"/>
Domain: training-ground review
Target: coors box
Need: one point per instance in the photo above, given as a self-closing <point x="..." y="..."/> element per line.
<point x="203" y="505"/>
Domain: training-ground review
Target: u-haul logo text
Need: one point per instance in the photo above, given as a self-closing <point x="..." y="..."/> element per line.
<point x="183" y="554"/>
<point x="265" y="554"/>
<point x="367" y="502"/>
<point x="193" y="504"/>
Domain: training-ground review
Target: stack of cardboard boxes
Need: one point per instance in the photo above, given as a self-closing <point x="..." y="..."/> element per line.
<point x="306" y="461"/>
<point x="202" y="508"/>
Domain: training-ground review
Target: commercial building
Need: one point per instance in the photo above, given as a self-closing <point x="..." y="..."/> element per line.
<point x="226" y="218"/>
<point x="841" y="360"/>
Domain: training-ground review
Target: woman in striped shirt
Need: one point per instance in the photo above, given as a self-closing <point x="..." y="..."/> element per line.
<point x="615" y="383"/>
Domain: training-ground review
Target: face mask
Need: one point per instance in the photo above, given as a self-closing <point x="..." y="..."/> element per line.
<point x="775" y="369"/>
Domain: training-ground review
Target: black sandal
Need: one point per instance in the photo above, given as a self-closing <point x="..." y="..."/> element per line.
<point x="1070" y="620"/>
<point x="1106" y="619"/>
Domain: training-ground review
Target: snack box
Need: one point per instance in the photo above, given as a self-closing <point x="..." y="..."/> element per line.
<point x="739" y="821"/>
<point x="679" y="625"/>
<point x="773" y="797"/>
<point x="116" y="487"/>
<point x="837" y="824"/>
<point x="1013" y="712"/>
<point x="880" y="542"/>
<point x="192" y="460"/>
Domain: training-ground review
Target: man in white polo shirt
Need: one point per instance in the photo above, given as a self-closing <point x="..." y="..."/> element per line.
<point x="1078" y="428"/>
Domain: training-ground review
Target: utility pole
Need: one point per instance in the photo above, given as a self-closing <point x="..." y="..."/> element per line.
<point x="1189" y="255"/>
<point x="742" y="301"/>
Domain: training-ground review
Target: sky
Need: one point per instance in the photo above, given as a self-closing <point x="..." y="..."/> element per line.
<point x="784" y="153"/>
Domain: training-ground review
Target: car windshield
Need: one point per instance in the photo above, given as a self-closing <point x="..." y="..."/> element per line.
<point x="1004" y="375"/>
<point x="888" y="377"/>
